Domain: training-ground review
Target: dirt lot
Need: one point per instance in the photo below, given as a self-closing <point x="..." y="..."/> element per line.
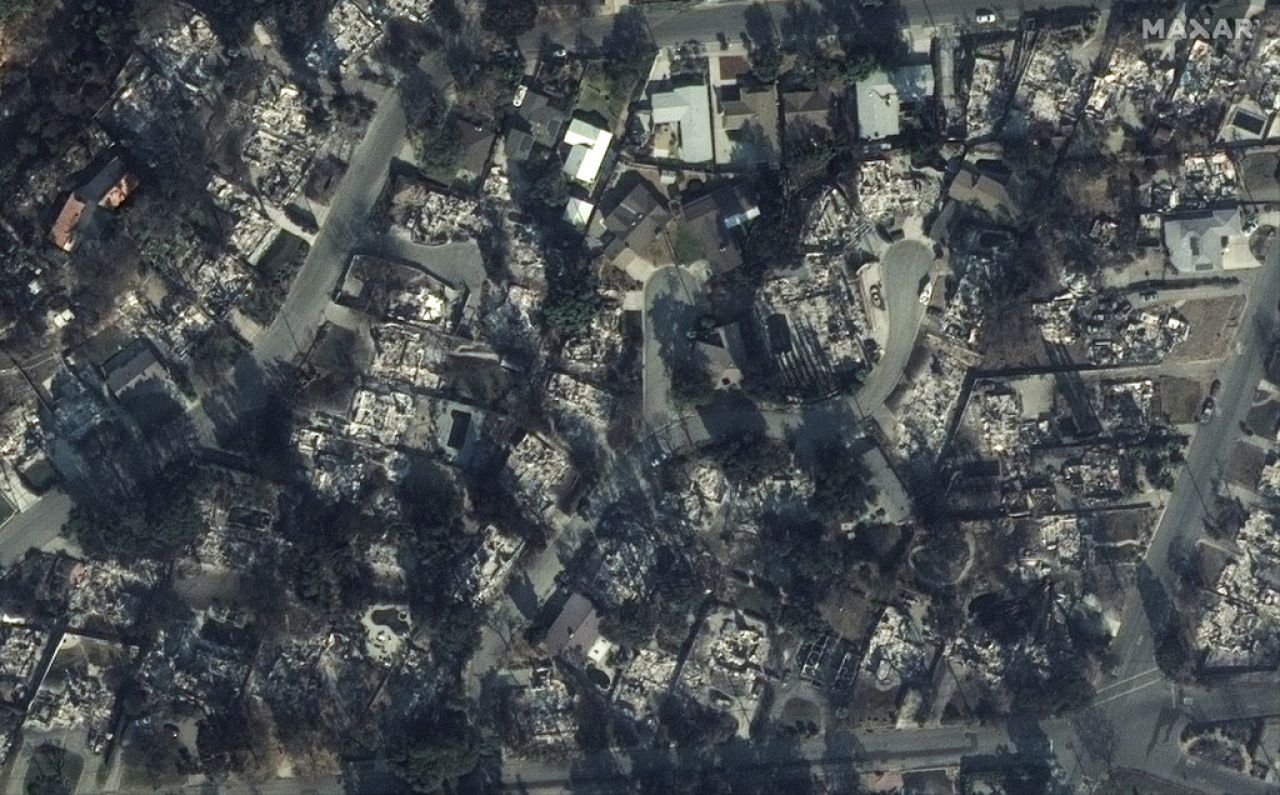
<point x="1214" y="322"/>
<point x="1180" y="398"/>
<point x="1245" y="468"/>
<point x="1012" y="339"/>
<point x="1130" y="525"/>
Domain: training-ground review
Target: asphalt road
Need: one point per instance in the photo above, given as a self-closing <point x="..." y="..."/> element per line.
<point x="460" y="264"/>
<point x="38" y="526"/>
<point x="706" y="21"/>
<point x="671" y="298"/>
<point x="1206" y="459"/>
<point x="1143" y="733"/>
<point x="902" y="267"/>
<point x="829" y="755"/>
<point x="295" y="326"/>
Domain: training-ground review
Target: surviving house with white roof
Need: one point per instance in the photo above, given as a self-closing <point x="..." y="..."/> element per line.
<point x="682" y="124"/>
<point x="882" y="95"/>
<point x="588" y="146"/>
<point x="1207" y="240"/>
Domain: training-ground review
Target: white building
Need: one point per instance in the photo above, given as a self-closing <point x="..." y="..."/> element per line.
<point x="881" y="95"/>
<point x="1207" y="240"/>
<point x="578" y="211"/>
<point x="687" y="111"/>
<point x="589" y="145"/>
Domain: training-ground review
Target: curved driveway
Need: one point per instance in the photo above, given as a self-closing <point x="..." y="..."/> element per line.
<point x="901" y="269"/>
<point x="671" y="299"/>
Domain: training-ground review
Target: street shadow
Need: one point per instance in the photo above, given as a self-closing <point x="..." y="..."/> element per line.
<point x="1172" y="654"/>
<point x="252" y="415"/>
<point x="730" y="417"/>
<point x="593" y="773"/>
<point x="1028" y="737"/>
<point x="160" y="418"/>
<point x="421" y="99"/>
<point x="1097" y="734"/>
<point x="802" y="26"/>
<point x="522" y="594"/>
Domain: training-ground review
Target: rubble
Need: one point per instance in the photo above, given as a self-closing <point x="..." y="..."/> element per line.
<point x="492" y="563"/>
<point x="536" y="472"/>
<point x="924" y="407"/>
<point x="726" y="666"/>
<point x="896" y="653"/>
<point x="1108" y="329"/>
<point x="1241" y="628"/>
<point x="644" y="681"/>
<point x="890" y="189"/>
<point x="814" y="314"/>
<point x="1055" y="76"/>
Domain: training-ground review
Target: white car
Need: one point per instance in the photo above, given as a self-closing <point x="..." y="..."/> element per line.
<point x="984" y="16"/>
<point x="926" y="294"/>
<point x="521" y="93"/>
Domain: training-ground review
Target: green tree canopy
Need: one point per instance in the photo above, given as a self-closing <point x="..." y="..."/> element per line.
<point x="437" y="752"/>
<point x="509" y="18"/>
<point x="157" y="522"/>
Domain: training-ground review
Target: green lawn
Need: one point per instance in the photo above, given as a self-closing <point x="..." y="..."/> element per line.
<point x="53" y="770"/>
<point x="688" y="248"/>
<point x="600" y="94"/>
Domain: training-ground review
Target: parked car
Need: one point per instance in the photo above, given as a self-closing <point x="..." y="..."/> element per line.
<point x="876" y="298"/>
<point x="873" y="351"/>
<point x="984" y="16"/>
<point x="1207" y="409"/>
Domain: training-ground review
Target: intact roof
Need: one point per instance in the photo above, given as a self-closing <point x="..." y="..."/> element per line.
<point x="578" y="211"/>
<point x="1207" y="240"/>
<point x="109" y="188"/>
<point x="636" y="220"/>
<point x="519" y="144"/>
<point x="879" y="107"/>
<point x="751" y="127"/>
<point x="806" y="101"/>
<point x="976" y="186"/>
<point x="584" y="162"/>
<point x="640" y="201"/>
<point x="577" y="627"/>
<point x="119" y="192"/>
<point x="590" y="145"/>
<point x="542" y="118"/>
<point x="475" y="142"/>
<point x="63" y="233"/>
<point x="690" y="107"/>
<point x="880" y="96"/>
<point x="669" y="107"/>
<point x="582" y="132"/>
<point x="130" y="365"/>
<point x="806" y="109"/>
<point x="713" y="217"/>
<point x="743" y="104"/>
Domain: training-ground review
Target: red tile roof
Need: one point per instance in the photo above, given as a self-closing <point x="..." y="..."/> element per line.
<point x="63" y="233"/>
